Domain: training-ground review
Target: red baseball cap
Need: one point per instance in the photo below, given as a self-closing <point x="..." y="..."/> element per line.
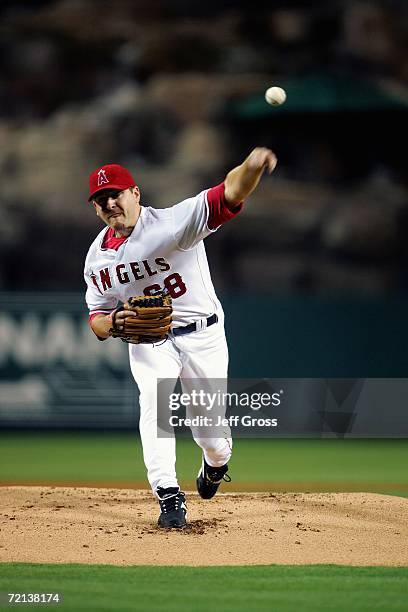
<point x="110" y="176"/>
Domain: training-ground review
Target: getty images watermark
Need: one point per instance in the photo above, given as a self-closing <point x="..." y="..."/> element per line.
<point x="212" y="408"/>
<point x="217" y="403"/>
<point x="286" y="408"/>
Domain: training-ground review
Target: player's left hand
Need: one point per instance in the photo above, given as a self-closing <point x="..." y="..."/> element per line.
<point x="143" y="319"/>
<point x="120" y="318"/>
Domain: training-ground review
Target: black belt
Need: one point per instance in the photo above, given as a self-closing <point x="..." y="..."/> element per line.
<point x="187" y="329"/>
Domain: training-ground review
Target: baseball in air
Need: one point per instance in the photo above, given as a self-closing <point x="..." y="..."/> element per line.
<point x="275" y="96"/>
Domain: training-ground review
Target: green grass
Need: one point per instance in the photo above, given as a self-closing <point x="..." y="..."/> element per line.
<point x="346" y="464"/>
<point x="283" y="588"/>
<point x="371" y="465"/>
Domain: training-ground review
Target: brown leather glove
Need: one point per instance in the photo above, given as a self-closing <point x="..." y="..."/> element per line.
<point x="150" y="320"/>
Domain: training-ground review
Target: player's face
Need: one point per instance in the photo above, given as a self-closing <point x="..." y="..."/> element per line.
<point x="118" y="209"/>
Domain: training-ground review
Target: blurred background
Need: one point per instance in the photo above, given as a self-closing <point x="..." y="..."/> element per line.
<point x="312" y="275"/>
<point x="175" y="90"/>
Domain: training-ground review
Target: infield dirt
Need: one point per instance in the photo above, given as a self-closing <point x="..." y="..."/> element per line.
<point x="116" y="526"/>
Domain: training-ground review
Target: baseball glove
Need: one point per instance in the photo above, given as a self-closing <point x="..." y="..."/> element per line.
<point x="150" y="322"/>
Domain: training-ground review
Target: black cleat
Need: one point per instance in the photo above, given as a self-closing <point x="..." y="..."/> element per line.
<point x="209" y="479"/>
<point x="173" y="508"/>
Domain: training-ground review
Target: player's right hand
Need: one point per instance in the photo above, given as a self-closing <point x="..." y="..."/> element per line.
<point x="261" y="157"/>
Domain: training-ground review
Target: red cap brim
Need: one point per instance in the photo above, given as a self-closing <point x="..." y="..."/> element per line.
<point x="121" y="187"/>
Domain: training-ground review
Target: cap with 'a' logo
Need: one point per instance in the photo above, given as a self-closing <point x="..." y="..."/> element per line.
<point x="110" y="176"/>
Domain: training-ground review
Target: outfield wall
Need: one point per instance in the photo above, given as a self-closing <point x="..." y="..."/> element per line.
<point x="54" y="373"/>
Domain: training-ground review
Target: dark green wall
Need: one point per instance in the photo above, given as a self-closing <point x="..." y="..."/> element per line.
<point x="317" y="337"/>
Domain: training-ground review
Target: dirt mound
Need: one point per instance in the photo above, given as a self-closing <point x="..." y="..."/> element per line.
<point x="115" y="526"/>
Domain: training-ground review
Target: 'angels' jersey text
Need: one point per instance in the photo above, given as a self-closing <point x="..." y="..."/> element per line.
<point x="127" y="273"/>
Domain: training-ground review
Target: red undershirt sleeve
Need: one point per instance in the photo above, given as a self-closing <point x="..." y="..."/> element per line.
<point x="93" y="315"/>
<point x="218" y="211"/>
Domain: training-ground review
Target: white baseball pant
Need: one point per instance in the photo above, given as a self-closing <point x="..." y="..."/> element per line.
<point x="201" y="354"/>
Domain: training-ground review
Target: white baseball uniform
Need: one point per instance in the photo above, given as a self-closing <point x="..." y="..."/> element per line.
<point x="166" y="249"/>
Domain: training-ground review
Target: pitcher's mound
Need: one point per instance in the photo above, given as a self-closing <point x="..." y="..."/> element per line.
<point x="116" y="526"/>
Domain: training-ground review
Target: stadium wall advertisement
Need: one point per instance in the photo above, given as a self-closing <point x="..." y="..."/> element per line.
<point x="55" y="374"/>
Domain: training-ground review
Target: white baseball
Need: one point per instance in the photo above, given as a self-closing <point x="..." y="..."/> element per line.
<point x="275" y="96"/>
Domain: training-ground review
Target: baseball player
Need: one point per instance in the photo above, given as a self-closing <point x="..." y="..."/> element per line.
<point x="143" y="251"/>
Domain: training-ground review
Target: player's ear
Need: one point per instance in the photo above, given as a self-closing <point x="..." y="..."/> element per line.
<point x="136" y="191"/>
<point x="94" y="205"/>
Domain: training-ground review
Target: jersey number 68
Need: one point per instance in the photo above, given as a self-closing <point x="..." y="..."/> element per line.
<point x="173" y="283"/>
